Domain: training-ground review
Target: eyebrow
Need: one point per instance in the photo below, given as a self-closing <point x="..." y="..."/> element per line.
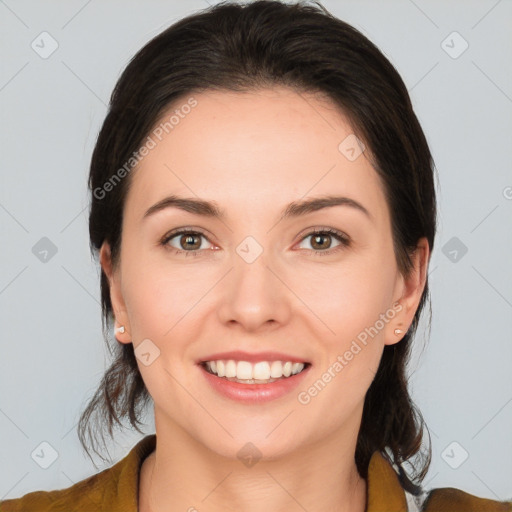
<point x="292" y="210"/>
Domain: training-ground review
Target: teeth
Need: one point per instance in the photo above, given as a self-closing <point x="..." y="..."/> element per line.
<point x="260" y="371"/>
<point x="230" y="369"/>
<point x="297" y="368"/>
<point x="276" y="369"/>
<point x="243" y="370"/>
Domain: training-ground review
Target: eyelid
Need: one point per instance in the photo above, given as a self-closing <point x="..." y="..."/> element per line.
<point x="322" y="229"/>
<point x="343" y="239"/>
<point x="184" y="230"/>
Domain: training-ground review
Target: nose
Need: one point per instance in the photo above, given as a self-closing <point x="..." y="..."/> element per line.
<point x="255" y="296"/>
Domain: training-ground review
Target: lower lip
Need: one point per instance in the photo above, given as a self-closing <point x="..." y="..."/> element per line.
<point x="254" y="393"/>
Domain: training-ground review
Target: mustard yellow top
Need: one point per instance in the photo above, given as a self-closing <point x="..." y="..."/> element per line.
<point x="116" y="489"/>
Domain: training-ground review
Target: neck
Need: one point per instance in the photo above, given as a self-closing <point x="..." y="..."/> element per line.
<point x="176" y="476"/>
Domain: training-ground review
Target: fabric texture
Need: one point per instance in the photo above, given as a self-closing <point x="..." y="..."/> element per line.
<point x="116" y="489"/>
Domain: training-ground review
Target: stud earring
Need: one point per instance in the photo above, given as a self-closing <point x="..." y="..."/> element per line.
<point x="398" y="331"/>
<point x="120" y="329"/>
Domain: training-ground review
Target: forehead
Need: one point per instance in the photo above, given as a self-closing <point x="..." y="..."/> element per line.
<point x="254" y="148"/>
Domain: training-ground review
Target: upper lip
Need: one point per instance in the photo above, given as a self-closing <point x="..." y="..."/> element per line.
<point x="239" y="355"/>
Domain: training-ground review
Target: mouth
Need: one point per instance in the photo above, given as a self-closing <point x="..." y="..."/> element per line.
<point x="254" y="377"/>
<point x="260" y="372"/>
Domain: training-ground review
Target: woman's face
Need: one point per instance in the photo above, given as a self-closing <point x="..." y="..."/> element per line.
<point x="255" y="280"/>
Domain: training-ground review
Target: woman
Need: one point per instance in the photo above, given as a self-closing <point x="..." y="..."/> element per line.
<point x="263" y="208"/>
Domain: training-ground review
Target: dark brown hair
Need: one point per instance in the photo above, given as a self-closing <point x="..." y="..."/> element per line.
<point x="264" y="44"/>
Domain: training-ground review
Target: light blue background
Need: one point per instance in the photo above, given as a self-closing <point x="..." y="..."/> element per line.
<point x="53" y="354"/>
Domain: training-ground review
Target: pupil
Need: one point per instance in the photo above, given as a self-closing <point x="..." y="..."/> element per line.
<point x="189" y="241"/>
<point x="316" y="239"/>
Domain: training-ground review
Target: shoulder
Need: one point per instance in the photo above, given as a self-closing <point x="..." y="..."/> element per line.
<point x="387" y="490"/>
<point x="448" y="499"/>
<point x="84" y="495"/>
<point x="114" y="489"/>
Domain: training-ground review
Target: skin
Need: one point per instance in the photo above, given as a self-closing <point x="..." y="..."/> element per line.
<point x="253" y="153"/>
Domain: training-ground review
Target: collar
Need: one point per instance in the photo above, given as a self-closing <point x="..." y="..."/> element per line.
<point x="384" y="491"/>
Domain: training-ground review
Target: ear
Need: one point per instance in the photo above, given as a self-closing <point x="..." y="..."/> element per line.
<point x="116" y="297"/>
<point x="410" y="292"/>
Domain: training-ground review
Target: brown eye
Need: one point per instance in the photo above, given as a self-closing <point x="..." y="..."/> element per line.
<point x="321" y="241"/>
<point x="185" y="241"/>
<point x="190" y="241"/>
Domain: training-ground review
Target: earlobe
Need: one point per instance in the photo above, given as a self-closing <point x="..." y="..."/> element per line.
<point x="121" y="326"/>
<point x="121" y="335"/>
<point x="399" y="328"/>
<point x="412" y="291"/>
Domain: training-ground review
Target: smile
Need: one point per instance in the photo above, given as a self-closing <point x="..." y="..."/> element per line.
<point x="261" y="372"/>
<point x="261" y="381"/>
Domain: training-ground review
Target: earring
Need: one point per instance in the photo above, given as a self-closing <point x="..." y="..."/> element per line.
<point x="120" y="329"/>
<point x="398" y="332"/>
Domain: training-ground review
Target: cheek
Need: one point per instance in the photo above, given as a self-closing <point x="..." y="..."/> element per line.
<point x="348" y="297"/>
<point x="350" y="302"/>
<point x="159" y="294"/>
<point x="161" y="304"/>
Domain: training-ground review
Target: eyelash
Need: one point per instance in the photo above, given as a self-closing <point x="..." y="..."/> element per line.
<point x="344" y="240"/>
<point x="338" y="235"/>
